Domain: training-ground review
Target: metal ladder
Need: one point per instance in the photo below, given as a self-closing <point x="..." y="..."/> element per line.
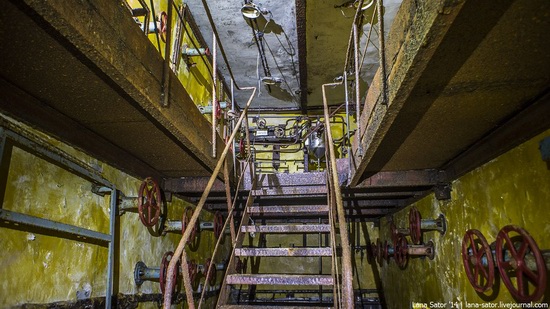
<point x="268" y="214"/>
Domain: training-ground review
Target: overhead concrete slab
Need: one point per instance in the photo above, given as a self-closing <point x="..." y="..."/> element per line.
<point x="97" y="85"/>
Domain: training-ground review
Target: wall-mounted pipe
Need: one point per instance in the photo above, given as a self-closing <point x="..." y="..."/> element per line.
<point x="214" y="96"/>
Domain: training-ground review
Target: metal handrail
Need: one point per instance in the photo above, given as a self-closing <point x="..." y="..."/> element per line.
<point x="179" y="252"/>
<point x="347" y="274"/>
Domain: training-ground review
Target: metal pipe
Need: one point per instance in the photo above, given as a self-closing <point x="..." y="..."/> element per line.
<point x="228" y="195"/>
<point x="215" y="31"/>
<point x="382" y="53"/>
<point x="111" y="257"/>
<point x="165" y="94"/>
<point x="357" y="86"/>
<point x="233" y="129"/>
<point x="214" y="96"/>
<point x="347" y="275"/>
<point x="347" y="119"/>
<point x="179" y="250"/>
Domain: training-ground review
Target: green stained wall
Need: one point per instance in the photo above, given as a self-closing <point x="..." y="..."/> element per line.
<point x="511" y="189"/>
<point x="43" y="269"/>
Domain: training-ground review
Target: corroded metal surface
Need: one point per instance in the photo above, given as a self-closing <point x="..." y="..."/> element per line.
<point x="280" y="279"/>
<point x="287" y="228"/>
<point x="283" y="251"/>
<point x="288" y="209"/>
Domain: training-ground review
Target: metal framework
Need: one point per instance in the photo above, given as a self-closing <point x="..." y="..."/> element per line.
<point x="10" y="138"/>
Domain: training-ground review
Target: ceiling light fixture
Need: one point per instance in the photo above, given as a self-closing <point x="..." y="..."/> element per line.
<point x="367" y="4"/>
<point x="251" y="11"/>
<point x="270" y="80"/>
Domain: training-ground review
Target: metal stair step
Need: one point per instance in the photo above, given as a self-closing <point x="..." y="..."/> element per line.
<point x="277" y="279"/>
<point x="286" y="228"/>
<point x="324" y="251"/>
<point x="269" y="307"/>
<point x="283" y="210"/>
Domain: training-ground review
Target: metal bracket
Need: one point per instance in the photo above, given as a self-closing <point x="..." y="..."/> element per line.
<point x="443" y="191"/>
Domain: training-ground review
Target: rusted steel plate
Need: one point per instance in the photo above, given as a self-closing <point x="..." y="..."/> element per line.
<point x="287" y="228"/>
<point x="288" y="209"/>
<point x="271" y="279"/>
<point x="326" y="251"/>
<point x="310" y="190"/>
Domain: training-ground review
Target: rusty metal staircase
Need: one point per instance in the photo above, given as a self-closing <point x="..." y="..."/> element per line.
<point x="262" y="221"/>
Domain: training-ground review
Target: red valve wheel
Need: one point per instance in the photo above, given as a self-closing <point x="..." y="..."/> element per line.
<point x="379" y="253"/>
<point x="401" y="251"/>
<point x="242" y="150"/>
<point x="218" y="110"/>
<point x="218" y="224"/>
<point x="164" y="269"/>
<point x="517" y="248"/>
<point x="481" y="276"/>
<point x="187" y="214"/>
<point x="211" y="279"/>
<point x="415" y="225"/>
<point x="192" y="269"/>
<point x="149" y="202"/>
<point x="163" y="17"/>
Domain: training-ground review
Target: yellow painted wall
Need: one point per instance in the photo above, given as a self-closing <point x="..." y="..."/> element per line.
<point x="511" y="189"/>
<point x="42" y="269"/>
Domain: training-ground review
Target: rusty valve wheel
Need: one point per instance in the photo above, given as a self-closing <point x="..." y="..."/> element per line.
<point x="163" y="17"/>
<point x="192" y="269"/>
<point x="242" y="148"/>
<point x="401" y="251"/>
<point x="417" y="225"/>
<point x="164" y="269"/>
<point x="520" y="256"/>
<point x="211" y="279"/>
<point x="218" y="224"/>
<point x="187" y="214"/>
<point x="387" y="251"/>
<point x="478" y="260"/>
<point x="149" y="202"/>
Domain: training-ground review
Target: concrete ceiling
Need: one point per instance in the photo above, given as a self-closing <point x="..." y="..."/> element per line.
<point x="327" y="31"/>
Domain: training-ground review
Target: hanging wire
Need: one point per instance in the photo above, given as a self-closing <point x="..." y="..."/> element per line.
<point x="281" y="72"/>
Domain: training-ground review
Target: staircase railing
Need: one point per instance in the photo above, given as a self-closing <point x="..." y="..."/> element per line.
<point x="179" y="253"/>
<point x="344" y="297"/>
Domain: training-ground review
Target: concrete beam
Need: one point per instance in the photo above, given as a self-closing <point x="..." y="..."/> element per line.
<point x="399" y="179"/>
<point x="192" y="185"/>
<point x="425" y="49"/>
<point x="111" y="44"/>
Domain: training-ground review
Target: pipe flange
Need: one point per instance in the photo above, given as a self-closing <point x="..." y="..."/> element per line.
<point x="139" y="269"/>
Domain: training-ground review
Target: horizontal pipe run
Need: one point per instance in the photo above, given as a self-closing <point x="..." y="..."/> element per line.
<point x="53" y="226"/>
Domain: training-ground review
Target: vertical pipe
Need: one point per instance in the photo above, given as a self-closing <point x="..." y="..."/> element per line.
<point x="165" y="95"/>
<point x="347" y="120"/>
<point x="357" y="86"/>
<point x="111" y="257"/>
<point x="214" y="95"/>
<point x="233" y="127"/>
<point x="382" y="53"/>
